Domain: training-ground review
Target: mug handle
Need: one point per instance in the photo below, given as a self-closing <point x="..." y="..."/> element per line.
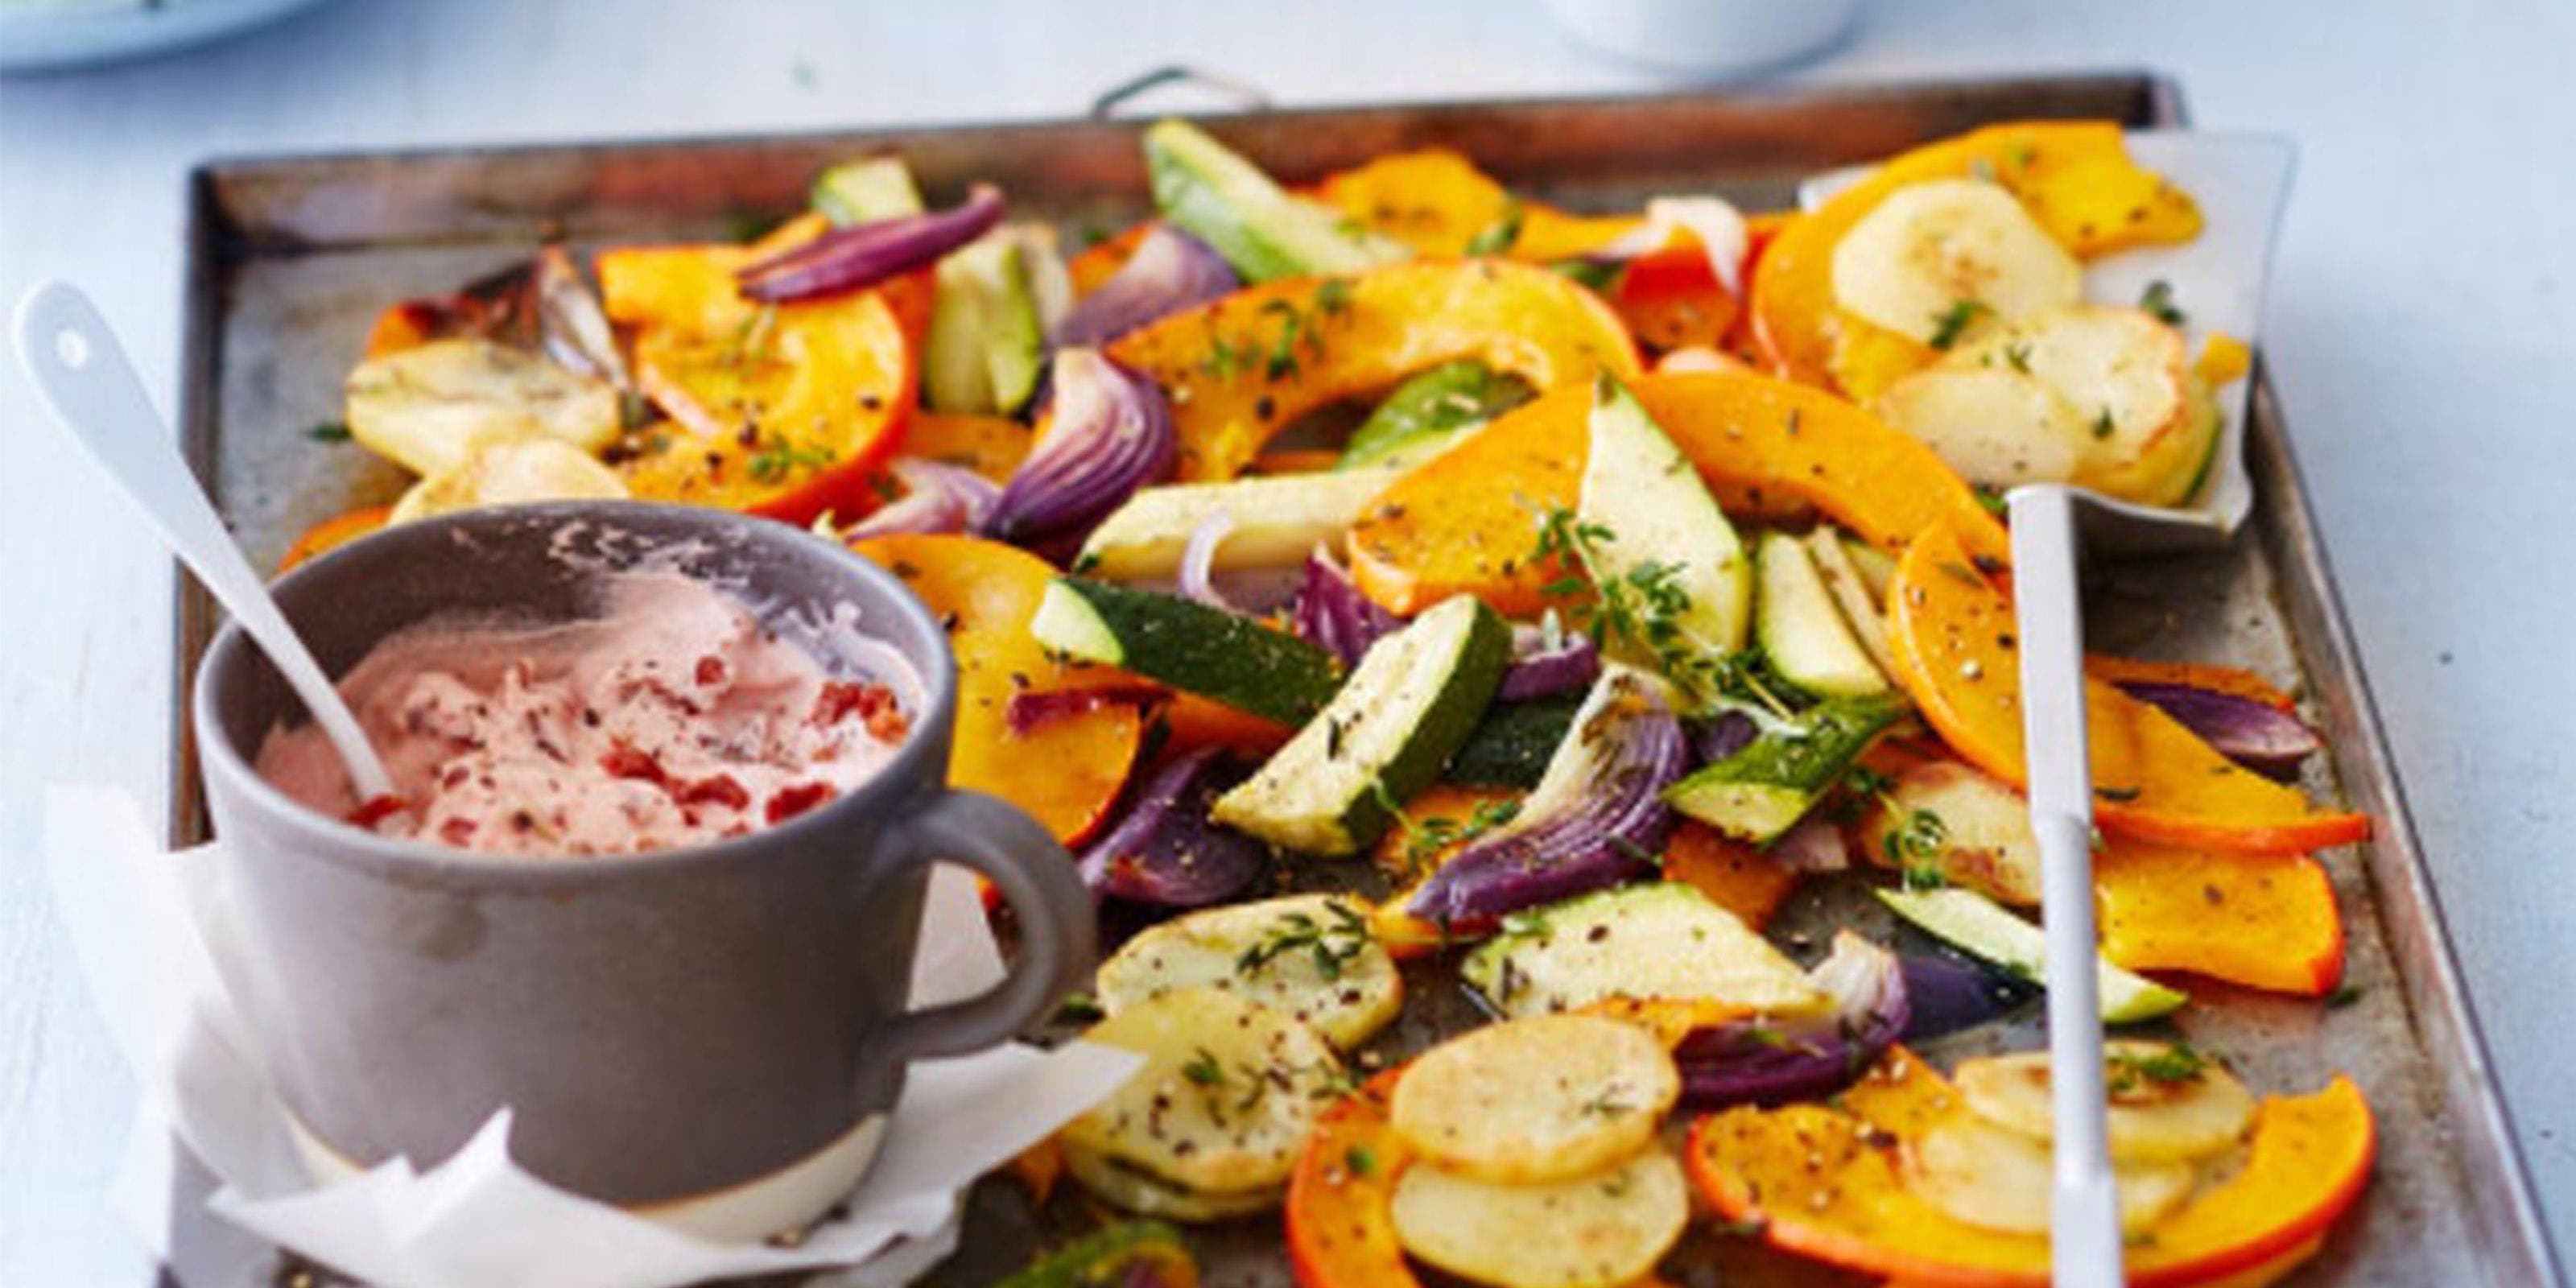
<point x="1037" y="877"/>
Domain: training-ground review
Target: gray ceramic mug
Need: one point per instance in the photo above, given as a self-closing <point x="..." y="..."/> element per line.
<point x="709" y="1034"/>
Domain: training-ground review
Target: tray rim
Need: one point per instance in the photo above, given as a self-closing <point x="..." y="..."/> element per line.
<point x="2394" y="859"/>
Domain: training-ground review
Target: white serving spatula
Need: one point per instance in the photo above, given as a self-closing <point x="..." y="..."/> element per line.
<point x="2242" y="183"/>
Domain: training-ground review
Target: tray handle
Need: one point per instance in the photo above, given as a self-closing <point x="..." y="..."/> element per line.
<point x="1244" y="97"/>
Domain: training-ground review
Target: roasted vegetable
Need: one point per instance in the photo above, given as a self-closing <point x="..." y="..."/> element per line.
<point x="1214" y="194"/>
<point x="1648" y="530"/>
<point x="1276" y="522"/>
<point x="863" y="255"/>
<point x="1240" y="368"/>
<point x="1130" y="1254"/>
<point x="1547" y="1098"/>
<point x="1190" y="646"/>
<point x="1600" y="1230"/>
<point x="1596" y="818"/>
<point x="1385" y="735"/>
<point x="1428" y="410"/>
<point x="2154" y="780"/>
<point x="431" y="407"/>
<point x="1312" y="957"/>
<point x="1659" y="941"/>
<point x="507" y="472"/>
<point x="1067" y="772"/>
<point x="2169" y="1103"/>
<point x="2262" y="737"/>
<point x="1800" y="627"/>
<point x="1107" y="434"/>
<point x="1767" y="1061"/>
<point x="1164" y="850"/>
<point x="1758" y="793"/>
<point x="1826" y="1183"/>
<point x="1168" y="272"/>
<point x="936" y="498"/>
<point x="1978" y="926"/>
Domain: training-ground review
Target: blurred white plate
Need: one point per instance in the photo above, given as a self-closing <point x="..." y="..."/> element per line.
<point x="49" y="35"/>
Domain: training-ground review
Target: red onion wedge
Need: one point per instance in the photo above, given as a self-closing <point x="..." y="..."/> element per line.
<point x="1596" y="818"/>
<point x="1548" y="662"/>
<point x="1815" y="845"/>
<point x="936" y="498"/>
<point x="1169" y="272"/>
<point x="1756" y="1062"/>
<point x="860" y="256"/>
<point x="571" y="324"/>
<point x="1108" y="433"/>
<point x="1198" y="557"/>
<point x="1165" y="852"/>
<point x="1947" y="995"/>
<point x="1331" y="611"/>
<point x="2262" y="738"/>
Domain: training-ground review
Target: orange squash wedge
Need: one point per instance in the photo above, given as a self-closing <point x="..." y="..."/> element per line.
<point x="1239" y="368"/>
<point x="992" y="446"/>
<point x="332" y="533"/>
<point x="1341" y="1194"/>
<point x="1824" y="1183"/>
<point x="2075" y="177"/>
<point x="2231" y="680"/>
<point x="782" y="411"/>
<point x="1066" y="772"/>
<point x="2262" y="921"/>
<point x="1465" y="521"/>
<point x="1735" y="876"/>
<point x="1952" y="636"/>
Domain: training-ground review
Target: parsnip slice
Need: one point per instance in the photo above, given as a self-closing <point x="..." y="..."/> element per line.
<point x="1535" y="1100"/>
<point x="1225" y="1098"/>
<point x="1593" y="1231"/>
<point x="1659" y="940"/>
<point x="1912" y="260"/>
<point x="2166" y="1104"/>
<point x="1998" y="1179"/>
<point x="511" y="472"/>
<point x="1994" y="425"/>
<point x="1314" y="957"/>
<point x="427" y="408"/>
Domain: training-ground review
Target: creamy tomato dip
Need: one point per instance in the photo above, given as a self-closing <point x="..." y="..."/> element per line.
<point x="673" y="719"/>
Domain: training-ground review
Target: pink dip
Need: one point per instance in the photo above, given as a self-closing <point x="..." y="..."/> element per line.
<point x="673" y="720"/>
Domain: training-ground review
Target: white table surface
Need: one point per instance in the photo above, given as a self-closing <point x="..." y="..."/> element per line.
<point x="2418" y="329"/>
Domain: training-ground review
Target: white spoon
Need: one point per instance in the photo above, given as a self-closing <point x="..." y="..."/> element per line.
<point x="76" y="363"/>
<point x="2243" y="184"/>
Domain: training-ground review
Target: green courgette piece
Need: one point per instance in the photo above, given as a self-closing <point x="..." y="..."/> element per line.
<point x="1430" y="408"/>
<point x="1800" y="627"/>
<point x="1265" y="232"/>
<point x="986" y="344"/>
<point x="1511" y="745"/>
<point x="1189" y="646"/>
<point x="1762" y="791"/>
<point x="1387" y="733"/>
<point x="1653" y="523"/>
<point x="1982" y="928"/>
<point x="866" y="190"/>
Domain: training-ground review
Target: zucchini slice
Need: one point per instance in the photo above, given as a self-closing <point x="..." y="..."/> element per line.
<point x="1224" y="1100"/>
<point x="1851" y="590"/>
<point x="987" y="343"/>
<point x="1981" y="928"/>
<point x="1529" y="1101"/>
<point x="867" y="190"/>
<point x="1189" y="646"/>
<point x="1800" y="627"/>
<point x="1661" y="940"/>
<point x="1386" y="734"/>
<point x="1430" y="410"/>
<point x="1312" y="956"/>
<point x="1513" y="743"/>
<point x="1653" y="520"/>
<point x="1214" y="194"/>
<point x="1594" y="1231"/>
<point x="1762" y="791"/>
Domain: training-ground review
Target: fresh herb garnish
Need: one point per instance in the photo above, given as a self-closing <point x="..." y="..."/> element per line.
<point x="781" y="456"/>
<point x="1643" y="607"/>
<point x="2158" y="303"/>
<point x="1203" y="1069"/>
<point x="1333" y="947"/>
<point x="1432" y="835"/>
<point x="1079" y="1008"/>
<point x="2018" y="356"/>
<point x="1953" y="322"/>
<point x="2102" y="424"/>
<point x="1359" y="1160"/>
<point x="329" y="431"/>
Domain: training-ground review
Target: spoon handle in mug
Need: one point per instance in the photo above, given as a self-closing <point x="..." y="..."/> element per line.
<point x="75" y="361"/>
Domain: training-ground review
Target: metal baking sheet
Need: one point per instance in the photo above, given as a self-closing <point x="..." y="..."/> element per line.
<point x="290" y="258"/>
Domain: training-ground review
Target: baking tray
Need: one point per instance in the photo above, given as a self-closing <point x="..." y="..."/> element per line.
<point x="289" y="258"/>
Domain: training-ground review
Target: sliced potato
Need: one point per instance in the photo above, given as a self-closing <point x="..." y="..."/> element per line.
<point x="1970" y="827"/>
<point x="427" y="408"/>
<point x="1541" y="1099"/>
<point x="1124" y="1185"/>
<point x="1661" y="940"/>
<point x="2167" y="1103"/>
<point x="511" y="472"/>
<point x="1988" y="1176"/>
<point x="1226" y="1095"/>
<point x="2169" y="469"/>
<point x="1910" y="262"/>
<point x="1313" y="956"/>
<point x="1994" y="425"/>
<point x="1594" y="1231"/>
